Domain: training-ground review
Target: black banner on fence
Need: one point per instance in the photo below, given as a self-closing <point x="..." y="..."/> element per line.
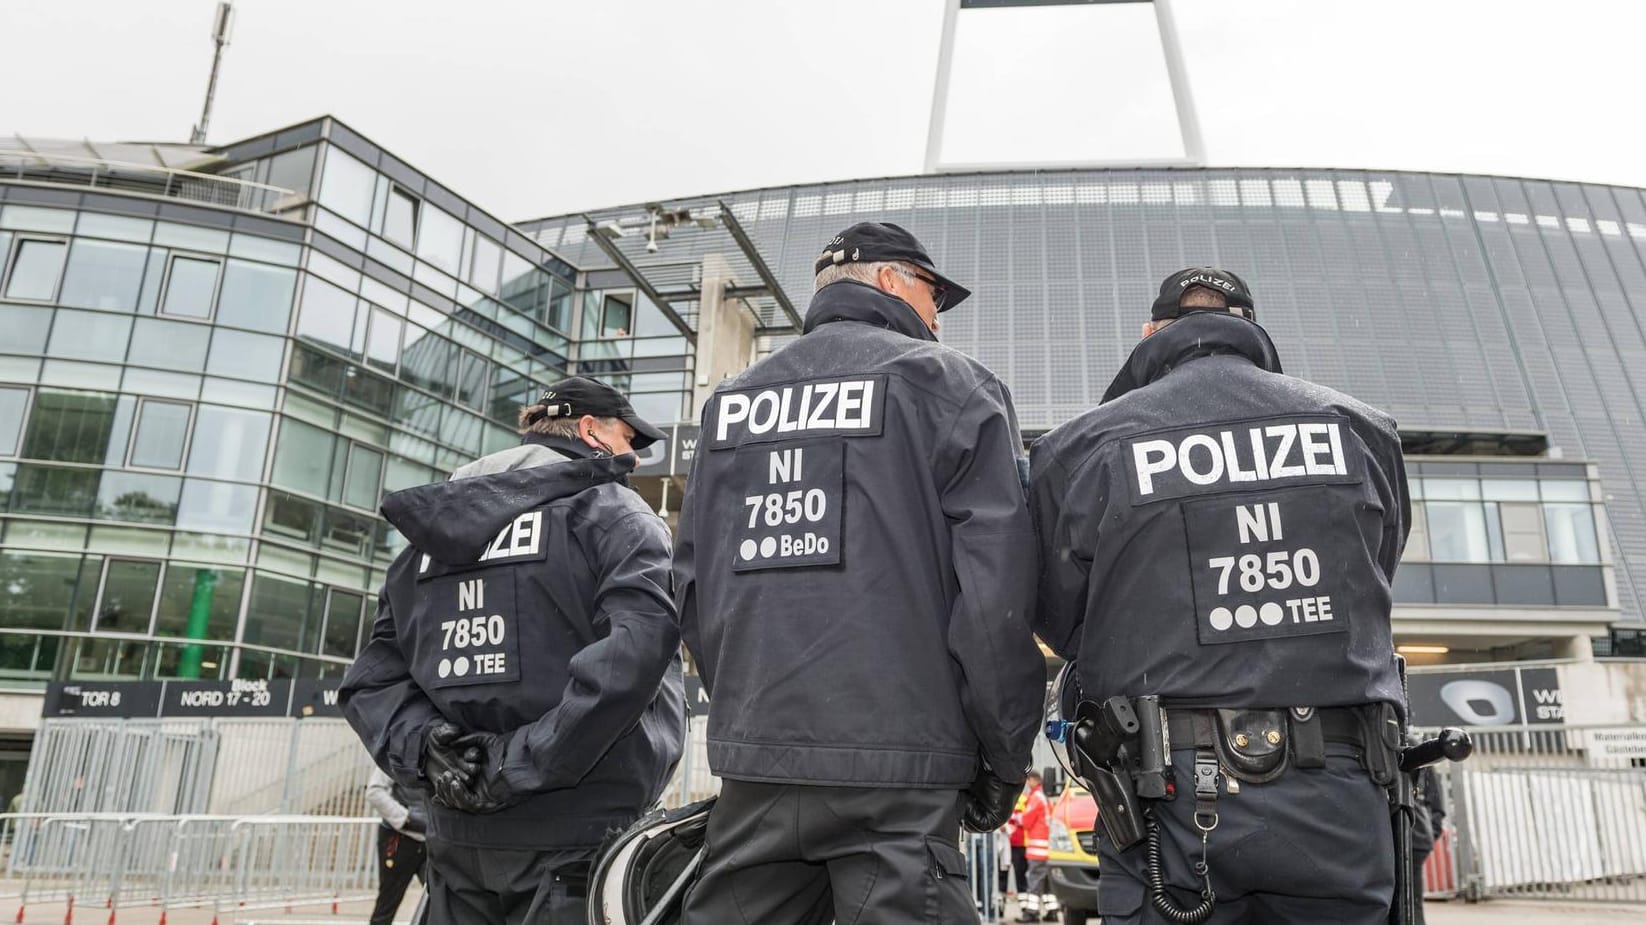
<point x="152" y="699"/>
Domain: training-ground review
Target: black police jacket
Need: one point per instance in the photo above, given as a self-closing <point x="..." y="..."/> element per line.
<point x="1220" y="534"/>
<point x="855" y="562"/>
<point x="534" y="598"/>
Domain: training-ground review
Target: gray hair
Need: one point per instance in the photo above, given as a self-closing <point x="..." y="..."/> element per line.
<point x="861" y="272"/>
<point x="529" y="423"/>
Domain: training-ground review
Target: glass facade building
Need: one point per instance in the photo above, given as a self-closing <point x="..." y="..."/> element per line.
<point x="211" y="369"/>
<point x="214" y="362"/>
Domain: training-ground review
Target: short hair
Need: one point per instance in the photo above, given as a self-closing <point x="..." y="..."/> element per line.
<point x="1032" y="775"/>
<point x="1201" y="297"/>
<point x="531" y="420"/>
<point x="861" y="272"/>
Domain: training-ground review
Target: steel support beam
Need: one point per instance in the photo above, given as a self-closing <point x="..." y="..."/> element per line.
<point x="639" y="279"/>
<point x="760" y="268"/>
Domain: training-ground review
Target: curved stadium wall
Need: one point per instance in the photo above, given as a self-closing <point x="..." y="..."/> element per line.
<point x="1464" y="305"/>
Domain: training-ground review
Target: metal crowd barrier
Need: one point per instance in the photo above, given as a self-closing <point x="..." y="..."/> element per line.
<point x="226" y="863"/>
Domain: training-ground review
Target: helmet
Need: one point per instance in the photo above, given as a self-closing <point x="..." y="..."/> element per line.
<point x="642" y="875"/>
<point x="1062" y="700"/>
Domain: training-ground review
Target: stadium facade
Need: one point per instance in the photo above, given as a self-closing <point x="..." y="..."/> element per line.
<point x="214" y="361"/>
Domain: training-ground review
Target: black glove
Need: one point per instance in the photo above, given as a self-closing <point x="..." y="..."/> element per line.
<point x="989" y="802"/>
<point x="417" y="823"/>
<point x="487" y="790"/>
<point x="445" y="766"/>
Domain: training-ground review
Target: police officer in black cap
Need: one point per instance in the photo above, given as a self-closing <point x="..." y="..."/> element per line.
<point x="855" y="568"/>
<point x="1218" y="541"/>
<point x="524" y="666"/>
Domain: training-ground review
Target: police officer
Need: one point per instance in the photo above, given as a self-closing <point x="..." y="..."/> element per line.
<point x="855" y="568"/>
<point x="524" y="666"/>
<point x="1222" y="537"/>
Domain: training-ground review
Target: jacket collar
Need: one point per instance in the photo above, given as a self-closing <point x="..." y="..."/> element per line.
<point x="565" y="446"/>
<point x="849" y="300"/>
<point x="1195" y="335"/>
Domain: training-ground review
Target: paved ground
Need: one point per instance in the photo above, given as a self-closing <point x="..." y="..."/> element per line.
<point x="1499" y="912"/>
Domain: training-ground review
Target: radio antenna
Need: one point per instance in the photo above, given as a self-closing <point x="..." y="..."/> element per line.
<point x="220" y="37"/>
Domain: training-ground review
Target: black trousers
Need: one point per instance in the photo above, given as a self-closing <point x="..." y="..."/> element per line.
<point x="1311" y="846"/>
<point x="399" y="859"/>
<point x="802" y="855"/>
<point x="508" y="886"/>
<point x="1020" y="866"/>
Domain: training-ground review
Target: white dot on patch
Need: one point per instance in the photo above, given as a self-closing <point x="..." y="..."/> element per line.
<point x="460" y="665"/>
<point x="1221" y="618"/>
<point x="1271" y="614"/>
<point x="445" y="668"/>
<point x="1246" y="616"/>
<point x="768" y="546"/>
<point x="747" y="550"/>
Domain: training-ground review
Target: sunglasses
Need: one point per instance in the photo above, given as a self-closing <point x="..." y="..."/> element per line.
<point x="940" y="292"/>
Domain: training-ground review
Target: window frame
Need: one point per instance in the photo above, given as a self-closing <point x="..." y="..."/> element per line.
<point x="23" y="421"/>
<point x="102" y="585"/>
<point x="136" y="423"/>
<point x="16" y="254"/>
<point x="607" y="296"/>
<point x="416" y="203"/>
<point x="165" y="285"/>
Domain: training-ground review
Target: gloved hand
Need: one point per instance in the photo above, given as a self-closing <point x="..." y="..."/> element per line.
<point x="989" y="802"/>
<point x="445" y="766"/>
<point x="417" y="822"/>
<point x="487" y="790"/>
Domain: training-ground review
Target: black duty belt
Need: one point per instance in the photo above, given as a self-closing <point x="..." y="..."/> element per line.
<point x="1256" y="746"/>
<point x="1198" y="728"/>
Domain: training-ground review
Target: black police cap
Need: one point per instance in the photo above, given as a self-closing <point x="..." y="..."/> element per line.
<point x="873" y="242"/>
<point x="1233" y="288"/>
<point x="576" y="396"/>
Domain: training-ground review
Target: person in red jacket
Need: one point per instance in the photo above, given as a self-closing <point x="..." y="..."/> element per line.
<point x="1035" y="902"/>
<point x="1020" y="860"/>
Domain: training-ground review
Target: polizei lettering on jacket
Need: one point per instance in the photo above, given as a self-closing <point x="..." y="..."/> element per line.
<point x="1240" y="455"/>
<point x="852" y="406"/>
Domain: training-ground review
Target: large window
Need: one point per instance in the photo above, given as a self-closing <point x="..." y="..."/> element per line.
<point x="1502" y="520"/>
<point x="347" y="186"/>
<point x="283" y="614"/>
<point x="191" y="286"/>
<point x="104" y="275"/>
<point x="229" y="444"/>
<point x="166" y="344"/>
<point x="14" y="404"/>
<point x="41" y="591"/>
<point x="127" y="603"/>
<point x="303" y="457"/>
<point x="327" y="314"/>
<point x="439" y="238"/>
<point x="400" y="219"/>
<point x="199" y="602"/>
<point x="36" y="269"/>
<point x="70" y="426"/>
<point x="94" y="336"/>
<point x="240" y="355"/>
<point x="365" y="475"/>
<point x="256" y="296"/>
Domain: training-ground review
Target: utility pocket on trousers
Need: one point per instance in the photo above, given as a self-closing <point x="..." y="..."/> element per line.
<point x="947" y="861"/>
<point x="949" y="891"/>
<point x="1118" y="895"/>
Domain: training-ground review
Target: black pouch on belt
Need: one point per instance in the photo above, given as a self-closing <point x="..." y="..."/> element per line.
<point x="1252" y="744"/>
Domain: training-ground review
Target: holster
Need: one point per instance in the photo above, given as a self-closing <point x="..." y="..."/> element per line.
<point x="1102" y="746"/>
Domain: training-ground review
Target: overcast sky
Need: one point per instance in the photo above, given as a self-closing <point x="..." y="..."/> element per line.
<point x="537" y="107"/>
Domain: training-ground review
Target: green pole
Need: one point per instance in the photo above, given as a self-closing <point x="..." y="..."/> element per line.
<point x="205" y="585"/>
